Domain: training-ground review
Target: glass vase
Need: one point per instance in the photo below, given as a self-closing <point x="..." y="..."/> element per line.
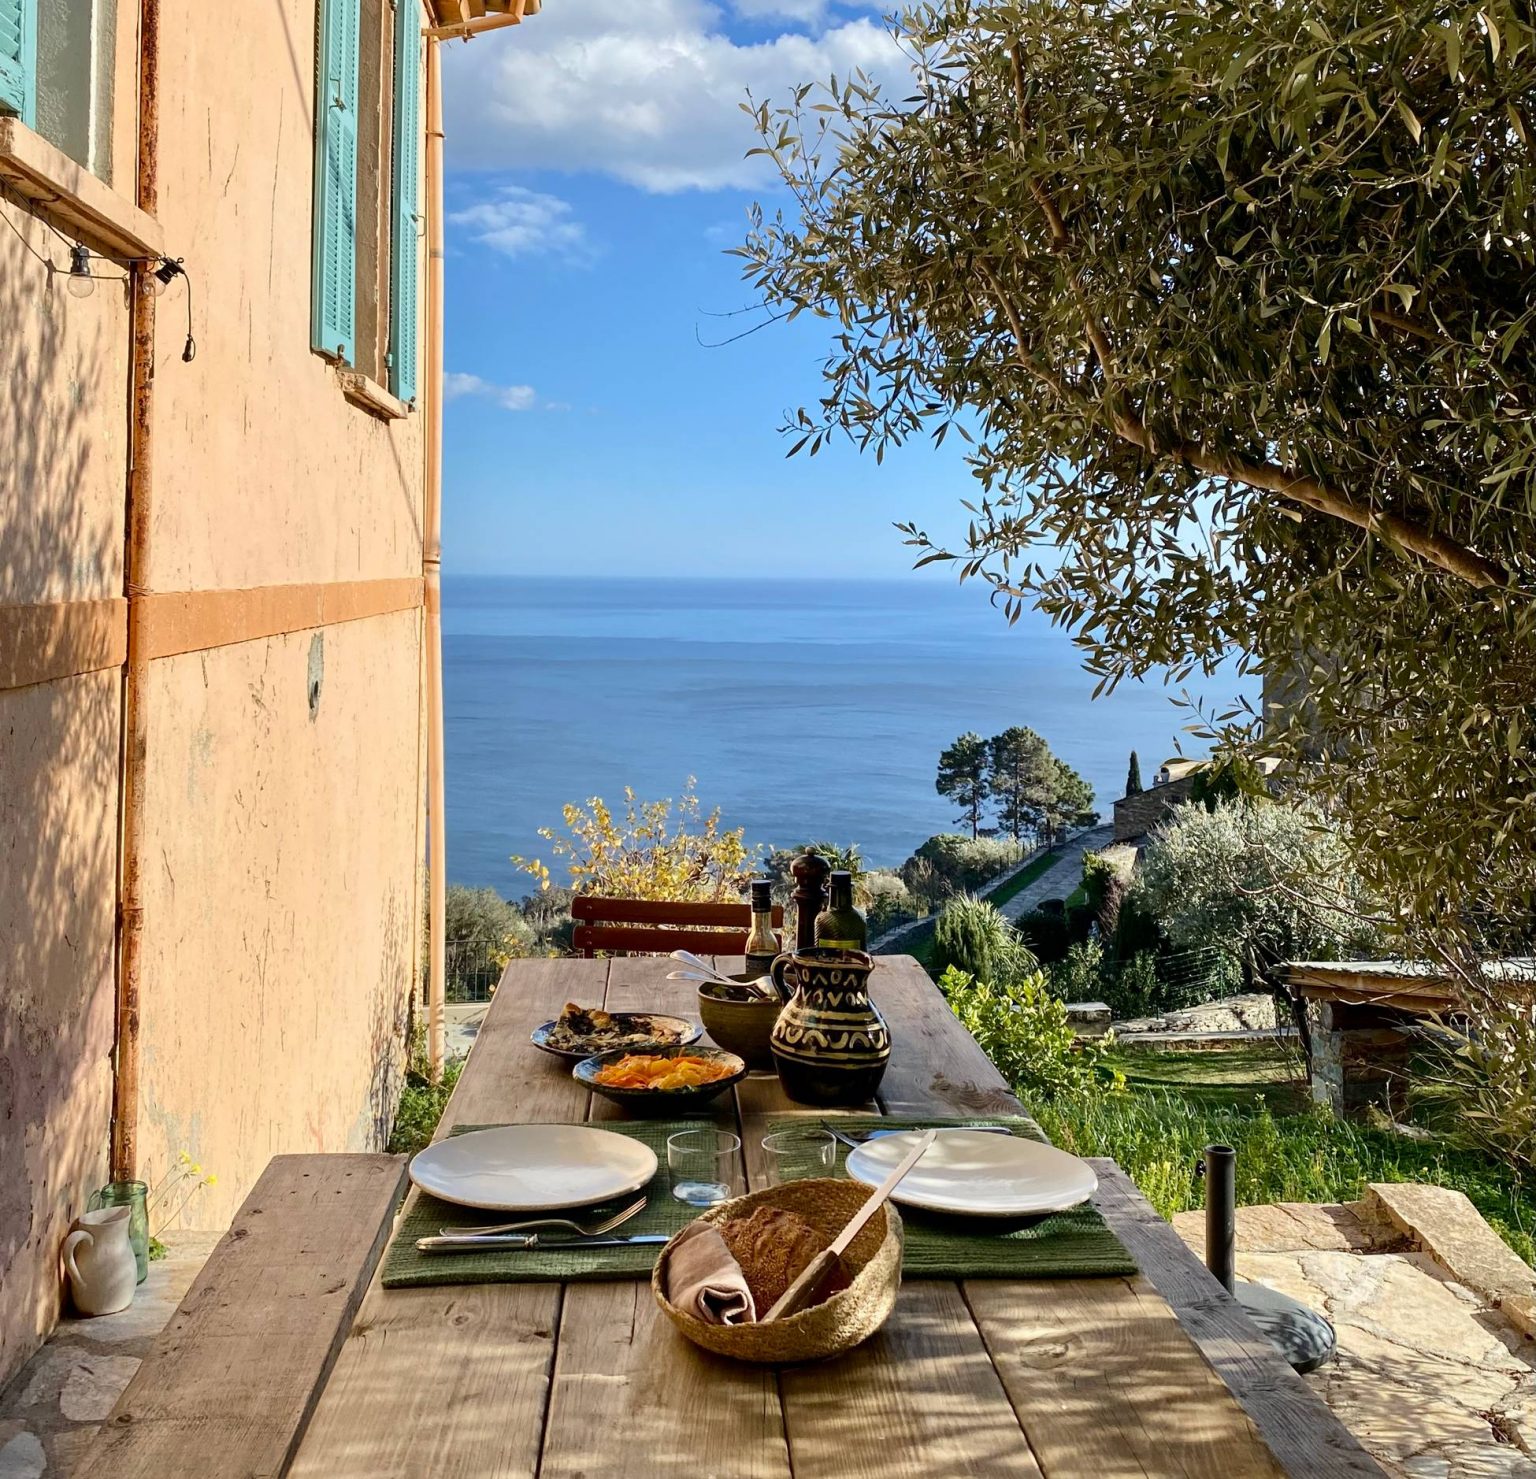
<point x="135" y="1196"/>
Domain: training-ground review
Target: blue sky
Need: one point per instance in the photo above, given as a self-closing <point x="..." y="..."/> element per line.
<point x="595" y="179"/>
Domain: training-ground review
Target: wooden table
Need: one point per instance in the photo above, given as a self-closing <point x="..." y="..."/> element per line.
<point x="1074" y="1377"/>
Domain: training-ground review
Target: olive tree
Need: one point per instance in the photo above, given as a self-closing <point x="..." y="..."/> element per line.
<point x="1233" y="304"/>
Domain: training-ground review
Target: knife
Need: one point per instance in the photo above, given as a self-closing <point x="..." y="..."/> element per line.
<point x="475" y="1243"/>
<point x="804" y="1290"/>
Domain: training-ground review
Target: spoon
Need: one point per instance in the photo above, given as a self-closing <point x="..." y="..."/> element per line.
<point x="762" y="987"/>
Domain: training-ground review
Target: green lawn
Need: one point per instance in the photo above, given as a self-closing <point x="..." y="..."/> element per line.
<point x="1287" y="1149"/>
<point x="1024" y="877"/>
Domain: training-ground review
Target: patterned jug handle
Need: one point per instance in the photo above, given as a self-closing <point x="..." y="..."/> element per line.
<point x="73" y="1241"/>
<point x="784" y="982"/>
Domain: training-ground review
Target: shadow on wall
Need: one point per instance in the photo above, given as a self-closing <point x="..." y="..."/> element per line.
<point x="63" y="399"/>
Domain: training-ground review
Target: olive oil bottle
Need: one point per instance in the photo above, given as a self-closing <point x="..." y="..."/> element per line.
<point x="840" y="926"/>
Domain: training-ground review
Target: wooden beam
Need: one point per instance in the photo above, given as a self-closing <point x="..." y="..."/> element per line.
<point x="43" y="643"/>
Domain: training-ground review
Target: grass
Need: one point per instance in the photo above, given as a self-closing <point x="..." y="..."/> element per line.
<point x="1024" y="877"/>
<point x="421" y="1107"/>
<point x="1287" y="1149"/>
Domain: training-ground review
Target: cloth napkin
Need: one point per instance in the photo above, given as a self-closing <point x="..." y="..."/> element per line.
<point x="703" y="1279"/>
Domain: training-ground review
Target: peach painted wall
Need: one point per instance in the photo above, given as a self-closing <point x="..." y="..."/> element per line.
<point x="283" y="900"/>
<point x="63" y="363"/>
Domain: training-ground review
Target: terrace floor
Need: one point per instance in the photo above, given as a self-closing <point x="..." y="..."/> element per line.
<point x="52" y="1409"/>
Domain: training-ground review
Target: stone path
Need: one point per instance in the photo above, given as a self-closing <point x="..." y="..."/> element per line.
<point x="1064" y="875"/>
<point x="52" y="1408"/>
<point x="1433" y="1380"/>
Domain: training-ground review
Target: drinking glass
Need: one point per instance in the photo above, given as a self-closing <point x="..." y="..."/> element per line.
<point x="790" y="1154"/>
<point x="702" y="1166"/>
<point x="135" y="1196"/>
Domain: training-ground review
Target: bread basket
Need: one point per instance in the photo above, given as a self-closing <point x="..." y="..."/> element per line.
<point x="828" y="1329"/>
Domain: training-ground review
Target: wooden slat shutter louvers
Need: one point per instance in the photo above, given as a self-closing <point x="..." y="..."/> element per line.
<point x="335" y="224"/>
<point x="18" y="59"/>
<point x="406" y="225"/>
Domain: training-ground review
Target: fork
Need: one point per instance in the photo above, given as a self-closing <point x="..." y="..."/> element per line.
<point x="587" y="1229"/>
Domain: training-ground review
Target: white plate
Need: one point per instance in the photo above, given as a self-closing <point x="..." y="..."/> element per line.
<point x="976" y="1174"/>
<point x="533" y="1168"/>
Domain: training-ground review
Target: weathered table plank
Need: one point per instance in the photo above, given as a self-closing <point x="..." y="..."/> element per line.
<point x="455" y="1380"/>
<point x="1106" y="1383"/>
<point x="232" y="1379"/>
<point x="620" y="1367"/>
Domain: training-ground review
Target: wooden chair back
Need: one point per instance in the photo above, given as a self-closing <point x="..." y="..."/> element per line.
<point x="644" y="926"/>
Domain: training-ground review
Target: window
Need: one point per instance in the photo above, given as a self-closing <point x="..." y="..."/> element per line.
<point x="367" y="216"/>
<point x="56" y="61"/>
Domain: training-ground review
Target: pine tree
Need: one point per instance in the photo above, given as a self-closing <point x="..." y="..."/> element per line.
<point x="963" y="778"/>
<point x="1019" y="764"/>
<point x="1133" y="786"/>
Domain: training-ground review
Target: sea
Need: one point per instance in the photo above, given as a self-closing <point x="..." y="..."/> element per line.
<point x="807" y="708"/>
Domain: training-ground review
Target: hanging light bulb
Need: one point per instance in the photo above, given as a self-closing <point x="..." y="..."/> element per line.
<point x="163" y="276"/>
<point x="81" y="283"/>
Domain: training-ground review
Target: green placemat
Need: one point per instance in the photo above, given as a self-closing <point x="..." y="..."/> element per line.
<point x="405" y="1268"/>
<point x="1065" y="1245"/>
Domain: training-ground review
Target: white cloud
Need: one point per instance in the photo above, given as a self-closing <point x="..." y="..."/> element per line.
<point x="508" y="397"/>
<point x="520" y="222"/>
<point x="649" y="94"/>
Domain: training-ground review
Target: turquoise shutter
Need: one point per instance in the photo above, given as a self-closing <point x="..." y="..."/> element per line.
<point x="405" y="235"/>
<point x="335" y="225"/>
<point x="18" y="58"/>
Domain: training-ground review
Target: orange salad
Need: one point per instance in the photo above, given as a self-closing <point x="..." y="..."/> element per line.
<point x="643" y="1071"/>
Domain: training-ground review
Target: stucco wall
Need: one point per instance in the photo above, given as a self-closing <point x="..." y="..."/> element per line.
<point x="62" y="468"/>
<point x="282" y="910"/>
<point x="280" y="900"/>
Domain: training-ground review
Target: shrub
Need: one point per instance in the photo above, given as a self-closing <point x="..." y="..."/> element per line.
<point x="1080" y="975"/>
<point x="1045" y="935"/>
<point x="1478" y="1076"/>
<point x="956" y="864"/>
<point x="1134" y="989"/>
<point x="421" y="1101"/>
<point x="657" y="850"/>
<point x="1024" y="1030"/>
<point x="885" y="899"/>
<point x="481" y="932"/>
<point x="971" y="935"/>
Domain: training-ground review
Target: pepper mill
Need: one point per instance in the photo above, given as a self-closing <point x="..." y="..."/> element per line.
<point x="810" y="872"/>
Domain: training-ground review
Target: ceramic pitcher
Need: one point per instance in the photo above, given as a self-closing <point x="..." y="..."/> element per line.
<point x="830" y="1043"/>
<point x="99" y="1257"/>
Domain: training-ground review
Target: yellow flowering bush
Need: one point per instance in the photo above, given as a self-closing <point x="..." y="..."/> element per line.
<point x="662" y="850"/>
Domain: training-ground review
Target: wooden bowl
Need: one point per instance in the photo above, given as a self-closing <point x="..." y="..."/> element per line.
<point x="661" y="1101"/>
<point x="828" y="1329"/>
<point x="741" y="1027"/>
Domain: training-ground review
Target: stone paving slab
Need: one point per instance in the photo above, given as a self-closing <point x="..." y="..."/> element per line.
<point x="53" y="1406"/>
<point x="1450" y="1229"/>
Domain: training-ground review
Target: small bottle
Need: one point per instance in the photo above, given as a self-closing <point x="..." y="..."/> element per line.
<point x="840" y="926"/>
<point x="762" y="943"/>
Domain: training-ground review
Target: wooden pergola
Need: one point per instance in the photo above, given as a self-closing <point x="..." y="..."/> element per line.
<point x="469" y="17"/>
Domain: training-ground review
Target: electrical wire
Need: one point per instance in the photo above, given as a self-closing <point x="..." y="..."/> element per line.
<point x="189" y="348"/>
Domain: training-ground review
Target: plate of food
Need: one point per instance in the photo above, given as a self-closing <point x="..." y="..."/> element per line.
<point x="661" y="1080"/>
<point x="971" y="1173"/>
<point x="533" y="1168"/>
<point x="579" y="1032"/>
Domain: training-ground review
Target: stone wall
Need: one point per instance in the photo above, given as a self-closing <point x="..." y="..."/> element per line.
<point x="1137" y="815"/>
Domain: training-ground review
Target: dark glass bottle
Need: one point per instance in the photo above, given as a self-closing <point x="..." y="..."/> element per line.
<point x="840" y="926"/>
<point x="762" y="943"/>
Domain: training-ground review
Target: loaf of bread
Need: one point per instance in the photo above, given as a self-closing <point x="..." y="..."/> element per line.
<point x="774" y="1248"/>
